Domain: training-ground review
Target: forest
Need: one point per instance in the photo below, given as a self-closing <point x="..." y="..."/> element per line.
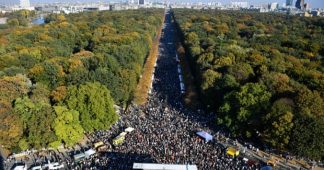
<point x="261" y="74"/>
<point x="61" y="80"/>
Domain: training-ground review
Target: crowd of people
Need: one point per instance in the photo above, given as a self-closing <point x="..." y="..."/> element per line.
<point x="165" y="130"/>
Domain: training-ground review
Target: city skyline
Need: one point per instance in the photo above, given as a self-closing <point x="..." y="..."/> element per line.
<point x="313" y="3"/>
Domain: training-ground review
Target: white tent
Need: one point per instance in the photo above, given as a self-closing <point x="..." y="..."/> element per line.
<point x="129" y="129"/>
<point x="89" y="152"/>
<point x="205" y="135"/>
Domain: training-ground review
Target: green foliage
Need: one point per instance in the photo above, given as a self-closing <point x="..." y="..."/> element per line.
<point x="307" y="137"/>
<point x="67" y="126"/>
<point x="37" y="118"/>
<point x="53" y="66"/>
<point x="20" y="18"/>
<point x="261" y="73"/>
<point x="280" y="120"/>
<point x="95" y="105"/>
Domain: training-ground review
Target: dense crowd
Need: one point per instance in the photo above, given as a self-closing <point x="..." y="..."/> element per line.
<point x="165" y="131"/>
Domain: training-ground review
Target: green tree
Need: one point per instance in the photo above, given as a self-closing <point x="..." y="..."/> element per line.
<point x="37" y="117"/>
<point x="95" y="105"/>
<point x="13" y="22"/>
<point x="307" y="137"/>
<point x="244" y="109"/>
<point x="279" y="123"/>
<point x="67" y="126"/>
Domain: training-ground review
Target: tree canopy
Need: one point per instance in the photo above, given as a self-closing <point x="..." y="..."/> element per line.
<point x="262" y="74"/>
<point x="61" y="79"/>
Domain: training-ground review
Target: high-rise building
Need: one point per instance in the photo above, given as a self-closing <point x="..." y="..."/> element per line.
<point x="24" y="3"/>
<point x="300" y="4"/>
<point x="289" y="2"/>
<point x="141" y="2"/>
<point x="273" y="6"/>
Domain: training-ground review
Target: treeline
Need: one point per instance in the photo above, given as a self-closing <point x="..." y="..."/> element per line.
<point x="61" y="79"/>
<point x="20" y="18"/>
<point x="262" y="74"/>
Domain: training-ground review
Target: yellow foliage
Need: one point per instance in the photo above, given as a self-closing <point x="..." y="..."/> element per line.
<point x="141" y="91"/>
<point x="83" y="54"/>
<point x="59" y="93"/>
<point x="36" y="70"/>
<point x="74" y="63"/>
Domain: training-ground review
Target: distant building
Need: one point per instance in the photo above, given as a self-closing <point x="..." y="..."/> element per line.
<point x="141" y="2"/>
<point x="300" y="4"/>
<point x="273" y="6"/>
<point x="307" y="6"/>
<point x="24" y="3"/>
<point x="239" y="4"/>
<point x="305" y="14"/>
<point x="289" y="2"/>
<point x="316" y="13"/>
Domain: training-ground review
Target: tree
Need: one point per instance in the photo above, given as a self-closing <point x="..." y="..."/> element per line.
<point x="309" y="103"/>
<point x="11" y="129"/>
<point x="209" y="78"/>
<point x="59" y="94"/>
<point x="40" y="93"/>
<point x="252" y="99"/>
<point x="241" y="71"/>
<point x="14" y="87"/>
<point x="278" y="82"/>
<point x="37" y="117"/>
<point x="13" y="22"/>
<point x="308" y="136"/>
<point x="67" y="125"/>
<point x="243" y="109"/>
<point x="95" y="105"/>
<point x="279" y="123"/>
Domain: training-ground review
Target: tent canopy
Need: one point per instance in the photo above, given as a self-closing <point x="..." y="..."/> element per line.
<point x="79" y="156"/>
<point x="96" y="145"/>
<point x="89" y="152"/>
<point x="129" y="129"/>
<point x="205" y="135"/>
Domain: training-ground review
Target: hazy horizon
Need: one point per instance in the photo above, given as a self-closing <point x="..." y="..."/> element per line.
<point x="313" y="3"/>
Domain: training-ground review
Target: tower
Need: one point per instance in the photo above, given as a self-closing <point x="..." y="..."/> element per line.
<point x="141" y="2"/>
<point x="289" y="2"/>
<point x="300" y="4"/>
